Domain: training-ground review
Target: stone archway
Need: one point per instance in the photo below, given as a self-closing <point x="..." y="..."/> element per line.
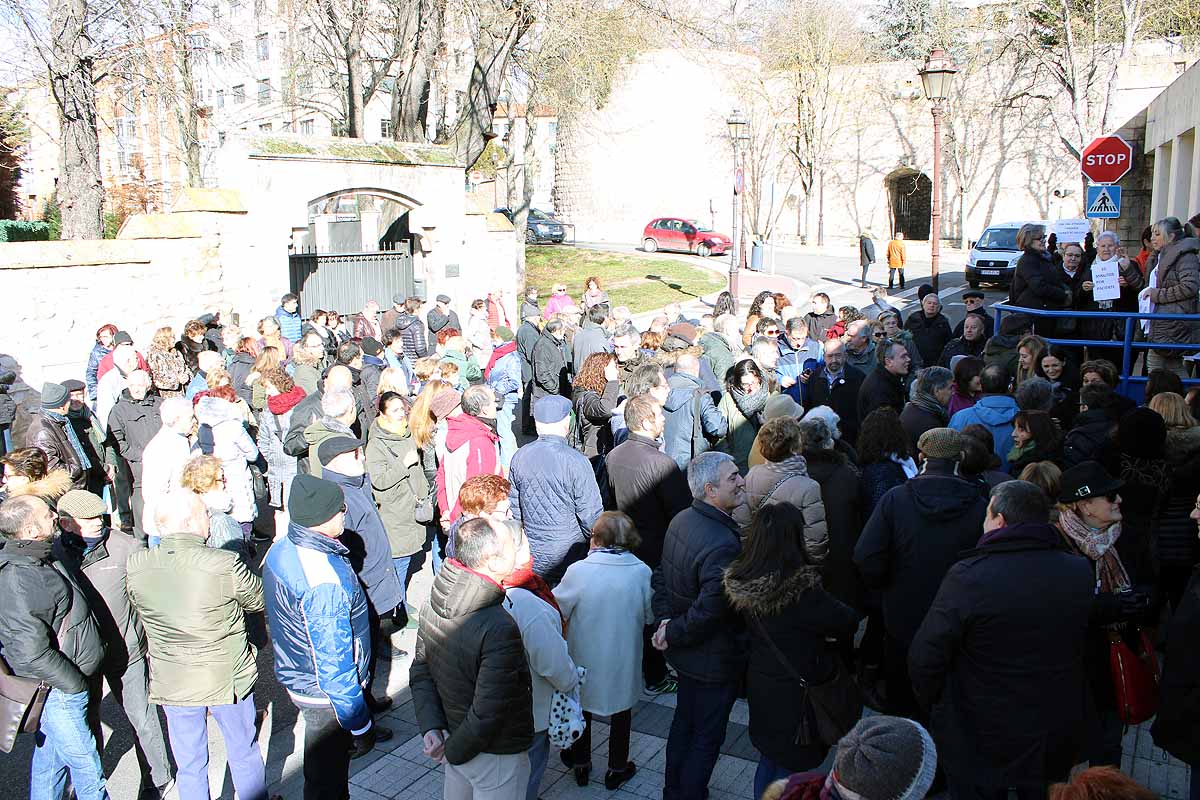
<point x="360" y="219"/>
<point x="910" y="201"/>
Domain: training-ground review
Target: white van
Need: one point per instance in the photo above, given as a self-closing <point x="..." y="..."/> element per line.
<point x="994" y="256"/>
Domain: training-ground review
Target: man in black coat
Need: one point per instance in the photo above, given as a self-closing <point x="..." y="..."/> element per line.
<point x="913" y="536"/>
<point x="927" y="409"/>
<point x="930" y="329"/>
<point x="527" y="336"/>
<point x="697" y="628"/>
<point x="973" y="300"/>
<point x="885" y="385"/>
<point x="550" y="363"/>
<point x="132" y="423"/>
<point x="866" y="253"/>
<point x="469" y="677"/>
<point x="836" y="384"/>
<point x="821" y="318"/>
<point x="1091" y="437"/>
<point x="47" y="431"/>
<point x="1002" y="671"/>
<point x="441" y="316"/>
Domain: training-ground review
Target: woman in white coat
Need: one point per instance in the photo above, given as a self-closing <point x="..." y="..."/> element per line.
<point x="223" y="434"/>
<point x="605" y="600"/>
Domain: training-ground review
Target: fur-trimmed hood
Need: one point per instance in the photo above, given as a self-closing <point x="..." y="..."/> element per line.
<point x="53" y="486"/>
<point x="667" y="358"/>
<point x="770" y="594"/>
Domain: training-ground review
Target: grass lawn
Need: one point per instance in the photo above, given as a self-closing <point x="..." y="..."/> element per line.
<point x="641" y="282"/>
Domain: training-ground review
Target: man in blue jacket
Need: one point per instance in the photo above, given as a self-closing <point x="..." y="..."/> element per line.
<point x="288" y="317"/>
<point x="995" y="411"/>
<point x="321" y="636"/>
<point x="797" y="353"/>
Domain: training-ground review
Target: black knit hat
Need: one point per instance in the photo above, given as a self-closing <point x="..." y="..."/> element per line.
<point x="313" y="501"/>
<point x="1142" y="433"/>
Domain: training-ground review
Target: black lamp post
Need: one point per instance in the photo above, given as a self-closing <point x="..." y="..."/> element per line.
<point x="739" y="133"/>
<point x="936" y="77"/>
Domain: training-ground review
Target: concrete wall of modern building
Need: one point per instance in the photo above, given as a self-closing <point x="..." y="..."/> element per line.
<point x="1172" y="124"/>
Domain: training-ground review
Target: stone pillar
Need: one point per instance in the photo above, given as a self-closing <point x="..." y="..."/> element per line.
<point x="320" y="227"/>
<point x="1193" y="206"/>
<point x="1181" y="176"/>
<point x="1160" y="201"/>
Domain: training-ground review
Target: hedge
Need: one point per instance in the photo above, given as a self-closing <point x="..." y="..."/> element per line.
<point x="13" y="230"/>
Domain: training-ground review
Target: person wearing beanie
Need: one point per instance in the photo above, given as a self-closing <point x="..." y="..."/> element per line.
<point x="1004" y="669"/>
<point x="319" y="618"/>
<point x="97" y="558"/>
<point x="911" y="539"/>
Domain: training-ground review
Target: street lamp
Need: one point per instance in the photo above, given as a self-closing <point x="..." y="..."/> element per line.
<point x="739" y="132"/>
<point x="936" y="78"/>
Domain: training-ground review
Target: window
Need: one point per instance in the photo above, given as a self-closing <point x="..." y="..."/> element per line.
<point x="264" y="92"/>
<point x="128" y="147"/>
<point x="219" y="58"/>
<point x="385" y="128"/>
<point x="307" y="127"/>
<point x="220" y="98"/>
<point x="262" y="44"/>
<point x="197" y="41"/>
<point x="239" y="94"/>
<point x="304" y="84"/>
<point x="552" y="130"/>
<point x="236" y="52"/>
<point x="265" y="127"/>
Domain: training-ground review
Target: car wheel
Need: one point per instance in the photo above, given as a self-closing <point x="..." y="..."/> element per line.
<point x="530" y="237"/>
<point x="973" y="284"/>
<point x="704" y="251"/>
<point x="650" y="246"/>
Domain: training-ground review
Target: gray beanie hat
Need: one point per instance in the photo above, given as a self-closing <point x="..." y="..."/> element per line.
<point x="885" y="758"/>
<point x="54" y="395"/>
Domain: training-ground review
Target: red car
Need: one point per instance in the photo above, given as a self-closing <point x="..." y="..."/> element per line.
<point x="684" y="235"/>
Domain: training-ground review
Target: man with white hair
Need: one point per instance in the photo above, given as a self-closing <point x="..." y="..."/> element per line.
<point x="113" y="382"/>
<point x="192" y="600"/>
<point x="1129" y="278"/>
<point x="164" y="457"/>
<point x="207" y="360"/>
<point x="860" y="347"/>
<point x="697" y="629"/>
<point x="132" y="423"/>
<point x="338" y="413"/>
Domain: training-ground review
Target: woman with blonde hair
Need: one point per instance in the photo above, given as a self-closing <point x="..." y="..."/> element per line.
<point x="423" y="427"/>
<point x="392" y="379"/>
<point x="204" y="476"/>
<point x="1030" y="350"/>
<point x="268" y="358"/>
<point x="168" y="372"/>
<point x="1037" y="283"/>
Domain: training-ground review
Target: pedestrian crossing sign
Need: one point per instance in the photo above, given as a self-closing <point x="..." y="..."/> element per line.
<point x="1103" y="202"/>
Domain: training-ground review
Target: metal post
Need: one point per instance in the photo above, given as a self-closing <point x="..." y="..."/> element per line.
<point x="736" y="234"/>
<point x="935" y="233"/>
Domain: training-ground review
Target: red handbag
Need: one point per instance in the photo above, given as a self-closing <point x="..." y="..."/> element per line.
<point x="1135" y="676"/>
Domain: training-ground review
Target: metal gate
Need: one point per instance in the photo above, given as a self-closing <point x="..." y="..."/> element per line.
<point x="344" y="282"/>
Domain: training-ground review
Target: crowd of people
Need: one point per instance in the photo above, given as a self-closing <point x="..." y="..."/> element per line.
<point x="963" y="526"/>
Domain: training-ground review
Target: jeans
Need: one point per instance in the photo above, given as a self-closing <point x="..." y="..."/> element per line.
<point x="767" y="773"/>
<point x="697" y="733"/>
<point x="326" y="756"/>
<point x="64" y="744"/>
<point x="130" y="688"/>
<point x="401" y="564"/>
<point x="505" y="417"/>
<point x="188" y="728"/>
<point x="539" y="754"/>
<point x="5" y="439"/>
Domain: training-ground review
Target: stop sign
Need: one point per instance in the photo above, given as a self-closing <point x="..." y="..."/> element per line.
<point x="1106" y="159"/>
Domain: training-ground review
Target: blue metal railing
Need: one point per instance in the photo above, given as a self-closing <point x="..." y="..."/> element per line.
<point x="1128" y="344"/>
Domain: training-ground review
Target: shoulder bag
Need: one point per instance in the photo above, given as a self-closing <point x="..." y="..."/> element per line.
<point x="1135" y="676"/>
<point x="835" y="706"/>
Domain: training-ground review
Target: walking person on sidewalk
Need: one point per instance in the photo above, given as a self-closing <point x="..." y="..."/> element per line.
<point x="896" y="259"/>
<point x="866" y="254"/>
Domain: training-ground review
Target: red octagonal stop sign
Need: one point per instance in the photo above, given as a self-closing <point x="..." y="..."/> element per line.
<point x="1106" y="159"/>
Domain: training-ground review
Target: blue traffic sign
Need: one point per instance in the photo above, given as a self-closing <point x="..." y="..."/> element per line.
<point x="1103" y="202"/>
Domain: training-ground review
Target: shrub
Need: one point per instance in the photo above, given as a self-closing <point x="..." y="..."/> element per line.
<point x="14" y="230"/>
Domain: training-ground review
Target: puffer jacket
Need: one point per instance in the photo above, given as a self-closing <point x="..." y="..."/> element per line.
<point x="995" y="412"/>
<point x="592" y="415"/>
<point x="367" y="540"/>
<point x="50" y="436"/>
<point x="555" y="496"/>
<point x="132" y="424"/>
<point x="706" y="640"/>
<point x="650" y="487"/>
<point x="290" y="323"/>
<point x="47" y="629"/>
<point x="930" y="335"/>
<point x="684" y="439"/>
<point x="100" y="572"/>
<point x="193" y="602"/>
<point x="718" y="354"/>
<point x="798" y="615"/>
<point x="469" y="674"/>
<point x="91" y="378"/>
<point x="505" y="376"/>
<point x="787" y="482"/>
<point x="398" y="482"/>
<point x="470" y="450"/>
<point x="412" y="332"/>
<point x="1178" y="286"/>
<point x="1175" y="532"/>
<point x="320" y="632"/>
<point x="281" y="467"/>
<point x="237" y="451"/>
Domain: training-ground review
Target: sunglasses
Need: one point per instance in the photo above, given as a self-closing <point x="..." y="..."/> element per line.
<point x="771" y="332"/>
<point x="879" y="335"/>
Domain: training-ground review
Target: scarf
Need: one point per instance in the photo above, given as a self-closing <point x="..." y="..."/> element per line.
<point x="751" y="405"/>
<point x="524" y="577"/>
<point x="907" y="464"/>
<point x="1017" y="452"/>
<point x="399" y="428"/>
<point x="84" y="462"/>
<point x="283" y="403"/>
<point x="928" y="403"/>
<point x="1097" y="546"/>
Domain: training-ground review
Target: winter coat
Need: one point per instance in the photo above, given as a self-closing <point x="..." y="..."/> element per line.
<point x="505" y="378"/>
<point x="320" y="627"/>
<point x="842" y="397"/>
<point x="1005" y="680"/>
<point x="50" y="436"/>
<point x="193" y="602"/>
<point x="398" y="483"/>
<point x="100" y="573"/>
<point x="995" y="412"/>
<point x="1042" y="451"/>
<point x="1003" y="349"/>
<point x="819" y="324"/>
<point x="915" y="420"/>
<point x="1176" y="728"/>
<point x="683" y="438"/>
<point x="1091" y="439"/>
<point x="718" y="353"/>
<point x="236" y="449"/>
<point x="740" y="436"/>
<point x="844" y="515"/>
<point x="469" y="674"/>
<point x="1175" y="537"/>
<point x="866" y="361"/>
<point x="168" y="373"/>
<point x="591" y="338"/>
<point x="592" y="415"/>
<point x="1038" y="284"/>
<point x="290" y="323"/>
<point x="881" y="388"/>
<point x="530" y="308"/>
<point x="479" y="336"/>
<point x="930" y="335"/>
<point x="528" y="335"/>
<point x="788" y="482"/>
<point x="550" y="664"/>
<point x="367" y="540"/>
<point x="469" y="370"/>
<point x="239" y="370"/>
<point x="650" y="487"/>
<point x="306" y="376"/>
<point x="436" y="321"/>
<point x="281" y="467"/>
<point x="162" y="468"/>
<point x="190" y="352"/>
<point x="912" y="537"/>
<point x="1178" y="286"/>
<point x="320" y="430"/>
<point x="878" y="478"/>
<point x="132" y="424"/>
<point x="798" y="615"/>
<point x="365" y="327"/>
<point x="705" y="638"/>
<point x="470" y="450"/>
<point x="961" y="347"/>
<point x="47" y="629"/>
<point x="549" y="368"/>
<point x="555" y="496"/>
<point x="793" y="362"/>
<point x="96" y="355"/>
<point x="989" y="324"/>
<point x="605" y="600"/>
<point x="866" y="251"/>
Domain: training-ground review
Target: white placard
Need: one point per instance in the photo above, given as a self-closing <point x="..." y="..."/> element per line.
<point x="1105" y="280"/>
<point x="1070" y="230"/>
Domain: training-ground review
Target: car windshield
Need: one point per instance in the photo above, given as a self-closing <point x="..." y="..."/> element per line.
<point x="700" y="226"/>
<point x="535" y="214"/>
<point x="998" y="239"/>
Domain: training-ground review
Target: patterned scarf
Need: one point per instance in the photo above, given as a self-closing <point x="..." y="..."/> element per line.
<point x="84" y="461"/>
<point x="751" y="405"/>
<point x="1097" y="546"/>
<point x="928" y="403"/>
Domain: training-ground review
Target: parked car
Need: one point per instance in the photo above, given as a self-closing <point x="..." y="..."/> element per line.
<point x="540" y="227"/>
<point x="994" y="257"/>
<point x="684" y="235"/>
